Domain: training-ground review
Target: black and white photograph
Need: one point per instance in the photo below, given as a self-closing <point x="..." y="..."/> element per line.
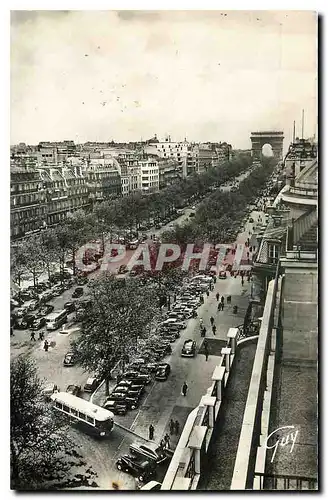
<point x="163" y="250"/>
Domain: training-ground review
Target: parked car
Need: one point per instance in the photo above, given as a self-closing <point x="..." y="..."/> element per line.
<point x="116" y="407"/>
<point x="143" y="469"/>
<point x="150" y="451"/>
<point x="189" y="348"/>
<point x="78" y="292"/>
<point x="38" y="323"/>
<point x="46" y="309"/>
<point x="70" y="359"/>
<point x="74" y="389"/>
<point x="137" y="377"/>
<point x="28" y="320"/>
<point x="49" y="390"/>
<point x="91" y="384"/>
<point x="163" y="371"/>
<point x="222" y="275"/>
<point x="132" y="386"/>
<point x="151" y="485"/>
<point x="130" y="401"/>
<point x="70" y="307"/>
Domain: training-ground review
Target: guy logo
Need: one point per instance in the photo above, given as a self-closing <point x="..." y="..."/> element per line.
<point x="288" y="438"/>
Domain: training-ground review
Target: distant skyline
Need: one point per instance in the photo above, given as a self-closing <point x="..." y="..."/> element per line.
<point x="126" y="75"/>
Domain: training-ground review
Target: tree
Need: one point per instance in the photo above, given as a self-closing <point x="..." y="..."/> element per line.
<point x="122" y="311"/>
<point x="17" y="262"/>
<point x="41" y="452"/>
<point x="33" y="257"/>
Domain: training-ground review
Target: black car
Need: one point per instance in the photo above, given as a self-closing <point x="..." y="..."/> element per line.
<point x="189" y="349"/>
<point x="28" y="320"/>
<point x="70" y="359"/>
<point x="131" y="402"/>
<point x="38" y="323"/>
<point x="74" y="389"/>
<point x="139" y="378"/>
<point x="129" y="391"/>
<point x="78" y="292"/>
<point x="91" y="384"/>
<point x="163" y="371"/>
<point x="70" y="307"/>
<point x="46" y="309"/>
<point x="139" y="467"/>
<point x="131" y="386"/>
<point x="116" y="407"/>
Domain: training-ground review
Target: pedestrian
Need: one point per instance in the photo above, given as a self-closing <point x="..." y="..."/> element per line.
<point x="212" y="320"/>
<point x="46" y="345"/>
<point x="162" y="444"/>
<point x="201" y="298"/>
<point x="41" y="335"/>
<point x="203" y="332"/>
<point x="11" y="331"/>
<point x="184" y="388"/>
<point x="200" y="322"/>
<point x="171" y="426"/>
<point x="151" y="432"/>
<point x="242" y="280"/>
<point x="222" y="300"/>
<point x="214" y="329"/>
<point x="214" y="279"/>
<point x="32" y="335"/>
<point x="229" y="299"/>
<point x="167" y="441"/>
<point x="219" y="306"/>
<point x="177" y="427"/>
<point x="206" y="353"/>
<point x="207" y="293"/>
<point x="217" y="296"/>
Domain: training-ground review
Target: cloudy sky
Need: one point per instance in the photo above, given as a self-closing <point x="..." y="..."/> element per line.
<point x="126" y="75"/>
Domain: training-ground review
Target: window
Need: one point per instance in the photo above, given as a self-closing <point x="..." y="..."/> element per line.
<point x="59" y="405"/>
<point x="81" y="415"/>
<point x="90" y="420"/>
<point x="273" y="254"/>
<point x="74" y="412"/>
<point x="66" y="408"/>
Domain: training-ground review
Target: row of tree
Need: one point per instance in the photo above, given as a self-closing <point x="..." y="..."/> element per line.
<point x="44" y="251"/>
<point x="218" y="217"/>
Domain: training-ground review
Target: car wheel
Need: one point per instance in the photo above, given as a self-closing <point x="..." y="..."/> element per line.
<point x="133" y="407"/>
<point x="119" y="466"/>
<point x="141" y="479"/>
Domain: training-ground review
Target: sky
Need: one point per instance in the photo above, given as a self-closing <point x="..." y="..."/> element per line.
<point x="127" y="75"/>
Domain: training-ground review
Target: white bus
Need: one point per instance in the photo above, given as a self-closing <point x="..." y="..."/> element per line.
<point x="56" y="319"/>
<point x="89" y="417"/>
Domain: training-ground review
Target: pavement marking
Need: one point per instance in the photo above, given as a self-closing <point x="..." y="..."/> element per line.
<point x="299" y="302"/>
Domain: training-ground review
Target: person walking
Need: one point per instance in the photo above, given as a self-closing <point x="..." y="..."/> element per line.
<point x="177" y="427"/>
<point x="207" y="293"/>
<point x="206" y="352"/>
<point x="219" y="306"/>
<point x="41" y="335"/>
<point x="214" y="329"/>
<point x="229" y="299"/>
<point x="212" y="320"/>
<point x="167" y="441"/>
<point x="214" y="279"/>
<point x="46" y="345"/>
<point x="217" y="296"/>
<point x="151" y="431"/>
<point x="32" y="335"/>
<point x="203" y="332"/>
<point x="201" y="323"/>
<point x="171" y="426"/>
<point x="184" y="388"/>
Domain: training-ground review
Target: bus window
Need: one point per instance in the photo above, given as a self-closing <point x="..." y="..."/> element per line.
<point x="74" y="412"/>
<point x="66" y="408"/>
<point x="81" y="415"/>
<point x="59" y="405"/>
<point x="90" y="420"/>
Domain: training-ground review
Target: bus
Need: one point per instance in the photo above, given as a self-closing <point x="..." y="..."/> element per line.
<point x="56" y="319"/>
<point x="89" y="417"/>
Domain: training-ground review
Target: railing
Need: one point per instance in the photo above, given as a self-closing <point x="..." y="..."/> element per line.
<point x="308" y="192"/>
<point x="285" y="482"/>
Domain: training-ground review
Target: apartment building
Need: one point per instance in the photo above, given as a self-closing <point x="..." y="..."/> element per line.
<point x="149" y="175"/>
